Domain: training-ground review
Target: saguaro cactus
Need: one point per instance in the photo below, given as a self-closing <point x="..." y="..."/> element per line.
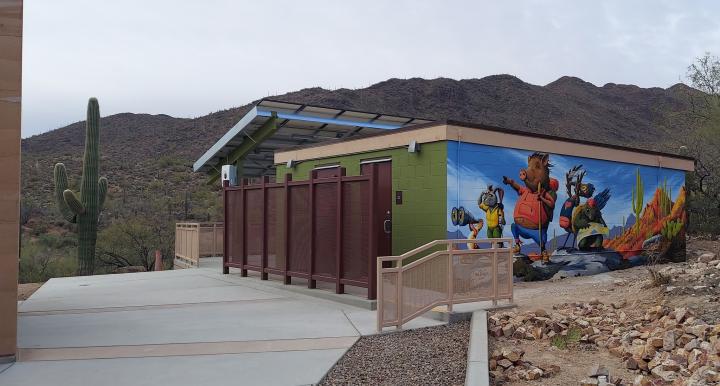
<point x="85" y="209"/>
<point x="637" y="199"/>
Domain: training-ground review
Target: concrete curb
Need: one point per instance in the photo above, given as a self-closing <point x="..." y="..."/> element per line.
<point x="478" y="373"/>
<point x="441" y="314"/>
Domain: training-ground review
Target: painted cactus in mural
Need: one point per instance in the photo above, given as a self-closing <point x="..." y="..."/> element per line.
<point x="593" y="231"/>
<point x="84" y="209"/>
<point x="659" y="226"/>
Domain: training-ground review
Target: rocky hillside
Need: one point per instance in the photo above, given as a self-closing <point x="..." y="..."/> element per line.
<point x="138" y="149"/>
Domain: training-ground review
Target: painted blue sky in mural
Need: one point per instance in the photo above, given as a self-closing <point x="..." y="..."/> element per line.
<point x="471" y="167"/>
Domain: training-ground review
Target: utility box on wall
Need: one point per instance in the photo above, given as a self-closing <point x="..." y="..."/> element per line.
<point x="228" y="174"/>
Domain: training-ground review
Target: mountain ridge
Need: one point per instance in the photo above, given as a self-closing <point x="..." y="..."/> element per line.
<point x="138" y="149"/>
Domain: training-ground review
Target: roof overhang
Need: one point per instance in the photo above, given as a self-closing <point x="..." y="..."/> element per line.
<point x="486" y="135"/>
<point x="273" y="125"/>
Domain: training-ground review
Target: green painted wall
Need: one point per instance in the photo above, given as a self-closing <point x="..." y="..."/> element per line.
<point x="421" y="176"/>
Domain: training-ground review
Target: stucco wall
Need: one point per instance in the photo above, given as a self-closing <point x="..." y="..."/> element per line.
<point x="10" y="85"/>
<point x="422" y="178"/>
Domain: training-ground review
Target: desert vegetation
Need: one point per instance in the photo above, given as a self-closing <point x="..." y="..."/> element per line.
<point x="148" y="158"/>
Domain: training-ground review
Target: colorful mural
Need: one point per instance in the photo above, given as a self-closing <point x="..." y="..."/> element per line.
<point x="606" y="215"/>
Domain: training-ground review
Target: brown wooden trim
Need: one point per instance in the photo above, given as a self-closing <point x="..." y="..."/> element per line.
<point x="488" y="135"/>
<point x="355" y="178"/>
<point x="323" y="278"/>
<point x="302" y="275"/>
<point x="274" y="271"/>
<point x="355" y="283"/>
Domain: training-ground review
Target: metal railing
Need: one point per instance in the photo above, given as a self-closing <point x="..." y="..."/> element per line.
<point x="443" y="276"/>
<point x="196" y="240"/>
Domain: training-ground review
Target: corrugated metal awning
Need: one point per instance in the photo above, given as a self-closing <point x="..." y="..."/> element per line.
<point x="294" y="125"/>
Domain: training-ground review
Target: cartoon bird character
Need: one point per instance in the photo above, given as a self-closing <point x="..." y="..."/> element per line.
<point x="576" y="190"/>
<point x="490" y="201"/>
<point x="588" y="223"/>
<point x="534" y="208"/>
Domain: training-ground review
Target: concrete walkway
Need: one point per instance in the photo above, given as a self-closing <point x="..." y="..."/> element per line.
<point x="184" y="327"/>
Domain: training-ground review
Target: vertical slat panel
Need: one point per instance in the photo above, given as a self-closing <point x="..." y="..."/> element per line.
<point x="275" y="218"/>
<point x="356" y="233"/>
<point x="299" y="236"/>
<point x="254" y="226"/>
<point x="325" y="221"/>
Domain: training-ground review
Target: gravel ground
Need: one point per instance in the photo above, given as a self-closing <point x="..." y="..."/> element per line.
<point x="425" y="356"/>
<point x="25" y="290"/>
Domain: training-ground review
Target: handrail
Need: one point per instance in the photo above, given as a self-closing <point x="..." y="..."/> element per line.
<point x="441" y="242"/>
<point x="427" y="292"/>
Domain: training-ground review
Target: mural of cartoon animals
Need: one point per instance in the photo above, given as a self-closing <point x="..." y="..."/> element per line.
<point x="491" y="202"/>
<point x="536" y="203"/>
<point x="610" y="213"/>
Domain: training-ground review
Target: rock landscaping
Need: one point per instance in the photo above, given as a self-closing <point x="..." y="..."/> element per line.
<point x="508" y="365"/>
<point x="662" y="345"/>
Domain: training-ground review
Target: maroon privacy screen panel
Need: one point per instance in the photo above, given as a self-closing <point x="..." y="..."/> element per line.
<point x="319" y="229"/>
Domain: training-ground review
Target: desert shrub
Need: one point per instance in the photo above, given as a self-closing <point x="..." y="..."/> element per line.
<point x="563" y="341"/>
<point x="44" y="258"/>
<point x="131" y="242"/>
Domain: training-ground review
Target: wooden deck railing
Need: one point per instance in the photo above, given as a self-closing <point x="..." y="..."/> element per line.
<point x="445" y="275"/>
<point x="196" y="240"/>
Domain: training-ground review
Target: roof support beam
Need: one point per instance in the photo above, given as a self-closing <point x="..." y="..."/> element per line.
<point x="265" y="131"/>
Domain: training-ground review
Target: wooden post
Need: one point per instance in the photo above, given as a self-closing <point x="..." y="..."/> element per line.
<point x="243" y="233"/>
<point x="214" y="240"/>
<point x="372" y="229"/>
<point x="339" y="287"/>
<point x="158" y="260"/>
<point x="264" y="258"/>
<point x="286" y="278"/>
<point x="311" y="281"/>
<point x="226" y="269"/>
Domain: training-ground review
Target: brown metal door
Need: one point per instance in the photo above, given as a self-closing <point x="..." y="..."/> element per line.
<point x="383" y="205"/>
<point x="328" y="172"/>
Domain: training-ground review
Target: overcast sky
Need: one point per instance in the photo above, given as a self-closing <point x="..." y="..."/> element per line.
<point x="189" y="58"/>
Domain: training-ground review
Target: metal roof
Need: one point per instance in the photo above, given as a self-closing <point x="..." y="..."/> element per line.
<point x="297" y="124"/>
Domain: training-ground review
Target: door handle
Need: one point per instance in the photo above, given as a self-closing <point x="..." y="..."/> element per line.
<point x="387" y="226"/>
